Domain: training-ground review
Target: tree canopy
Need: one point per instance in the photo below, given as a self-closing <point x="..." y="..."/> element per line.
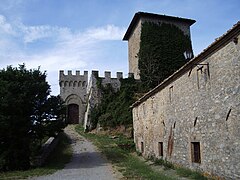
<point x="25" y="107"/>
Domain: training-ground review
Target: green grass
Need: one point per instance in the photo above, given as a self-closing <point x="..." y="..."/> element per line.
<point x="184" y="172"/>
<point x="120" y="152"/>
<point x="58" y="158"/>
<point x="166" y="164"/>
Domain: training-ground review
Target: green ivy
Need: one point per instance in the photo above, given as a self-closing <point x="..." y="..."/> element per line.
<point x="161" y="52"/>
<point x="114" y="107"/>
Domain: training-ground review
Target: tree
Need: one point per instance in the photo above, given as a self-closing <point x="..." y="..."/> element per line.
<point x="23" y="98"/>
<point x="161" y="52"/>
<point x="49" y="119"/>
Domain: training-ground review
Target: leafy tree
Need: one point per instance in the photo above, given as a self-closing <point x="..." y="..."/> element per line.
<point x="48" y="120"/>
<point x="161" y="52"/>
<point x="23" y="105"/>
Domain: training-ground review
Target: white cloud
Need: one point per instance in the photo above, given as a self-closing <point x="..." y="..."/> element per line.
<point x="64" y="48"/>
<point x="34" y="33"/>
<point x="5" y="27"/>
<point x="108" y="32"/>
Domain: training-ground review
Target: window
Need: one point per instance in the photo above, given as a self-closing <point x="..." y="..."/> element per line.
<point x="160" y="148"/>
<point x="195" y="148"/>
<point x="171" y="93"/>
<point x="199" y="73"/>
<point x="142" y="147"/>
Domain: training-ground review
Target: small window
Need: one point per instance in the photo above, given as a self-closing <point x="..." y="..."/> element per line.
<point x="142" y="147"/>
<point x="66" y="84"/>
<point x="160" y="148"/>
<point x="171" y="93"/>
<point x="199" y="75"/>
<point x="196" y="155"/>
<point x="79" y="84"/>
<point x="75" y="84"/>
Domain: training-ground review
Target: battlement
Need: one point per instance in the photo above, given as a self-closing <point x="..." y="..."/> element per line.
<point x="71" y="80"/>
<point x="69" y="73"/>
<point x="107" y="75"/>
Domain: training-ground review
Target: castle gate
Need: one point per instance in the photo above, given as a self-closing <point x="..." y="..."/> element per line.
<point x="73" y="113"/>
<point x="73" y="90"/>
<point x="75" y="109"/>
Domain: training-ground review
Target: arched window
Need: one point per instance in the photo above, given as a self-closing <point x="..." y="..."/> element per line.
<point x="79" y="84"/>
<point x="75" y="84"/>
<point x="61" y="83"/>
<point x="66" y="84"/>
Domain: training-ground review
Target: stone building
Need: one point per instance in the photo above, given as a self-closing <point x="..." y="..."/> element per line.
<point x="94" y="93"/>
<point x="73" y="90"/>
<point x="193" y="117"/>
<point x="82" y="96"/>
<point x="133" y="34"/>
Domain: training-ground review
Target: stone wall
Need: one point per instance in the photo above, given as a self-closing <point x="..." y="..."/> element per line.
<point x="199" y="107"/>
<point x="94" y="93"/>
<point x="73" y="90"/>
<point x="135" y="38"/>
<point x="133" y="49"/>
<point x="46" y="150"/>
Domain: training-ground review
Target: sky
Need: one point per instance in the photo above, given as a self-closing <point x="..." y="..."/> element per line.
<point x="87" y="34"/>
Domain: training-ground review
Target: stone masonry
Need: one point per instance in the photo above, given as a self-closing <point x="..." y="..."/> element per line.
<point x="94" y="93"/>
<point x="193" y="118"/>
<point x="76" y="90"/>
<point x="133" y="34"/>
<point x="73" y="90"/>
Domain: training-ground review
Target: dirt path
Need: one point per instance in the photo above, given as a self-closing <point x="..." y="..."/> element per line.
<point x="86" y="164"/>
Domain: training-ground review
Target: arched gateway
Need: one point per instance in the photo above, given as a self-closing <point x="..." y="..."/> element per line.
<point x="73" y="92"/>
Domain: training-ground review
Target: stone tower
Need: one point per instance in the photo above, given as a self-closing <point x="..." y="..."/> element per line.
<point x="73" y="90"/>
<point x="133" y="34"/>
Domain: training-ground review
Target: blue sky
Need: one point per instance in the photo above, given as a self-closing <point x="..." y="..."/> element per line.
<point x="87" y="34"/>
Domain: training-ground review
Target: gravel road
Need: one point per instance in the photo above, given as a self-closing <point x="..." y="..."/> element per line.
<point x="86" y="164"/>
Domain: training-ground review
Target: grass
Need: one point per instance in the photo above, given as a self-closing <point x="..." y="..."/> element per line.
<point x="58" y="158"/>
<point x="120" y="152"/>
<point x="184" y="172"/>
<point x="166" y="164"/>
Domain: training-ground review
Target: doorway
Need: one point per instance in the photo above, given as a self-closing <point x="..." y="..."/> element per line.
<point x="73" y="114"/>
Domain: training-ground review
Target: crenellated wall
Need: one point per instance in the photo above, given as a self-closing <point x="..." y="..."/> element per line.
<point x="76" y="90"/>
<point x="73" y="90"/>
<point x="94" y="93"/>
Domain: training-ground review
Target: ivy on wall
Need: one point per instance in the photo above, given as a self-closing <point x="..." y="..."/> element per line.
<point x="114" y="107"/>
<point x="161" y="52"/>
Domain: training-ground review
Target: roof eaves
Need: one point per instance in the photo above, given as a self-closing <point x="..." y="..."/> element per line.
<point x="138" y="15"/>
